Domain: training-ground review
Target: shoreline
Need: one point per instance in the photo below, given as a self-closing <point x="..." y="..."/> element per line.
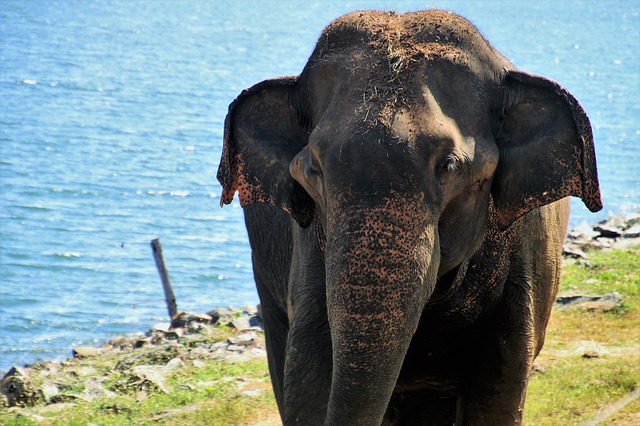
<point x="228" y="335"/>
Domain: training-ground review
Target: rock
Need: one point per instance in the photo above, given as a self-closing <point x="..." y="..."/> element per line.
<point x="85" y="351"/>
<point x="151" y="355"/>
<point x="632" y="232"/>
<point x="93" y="390"/>
<point x="50" y="391"/>
<point x="583" y="231"/>
<point x="574" y="252"/>
<point x="199" y="352"/>
<point x="608" y="231"/>
<point x="236" y="348"/>
<point x="117" y="342"/>
<point x="141" y="342"/>
<point x="174" y="364"/>
<point x="604" y="242"/>
<point x="241" y="323"/>
<point x="173" y="334"/>
<point x="616" y="232"/>
<point x="198" y="364"/>
<point x="221" y="315"/>
<point x="161" y="327"/>
<point x="242" y="339"/>
<point x="17" y="389"/>
<point x="185" y="319"/>
<point x="141" y="396"/>
<point x="259" y="352"/>
<point x="219" y="347"/>
<point x="154" y="374"/>
<point x="591" y="349"/>
<point x="256" y="322"/>
<point x="604" y="303"/>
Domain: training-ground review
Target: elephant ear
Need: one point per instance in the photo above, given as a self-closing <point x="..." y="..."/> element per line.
<point x="546" y="148"/>
<point x="262" y="134"/>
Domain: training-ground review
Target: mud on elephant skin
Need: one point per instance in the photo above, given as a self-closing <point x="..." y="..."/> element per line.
<point x="405" y="200"/>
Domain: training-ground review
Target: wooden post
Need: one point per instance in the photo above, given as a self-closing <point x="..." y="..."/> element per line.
<point x="164" y="276"/>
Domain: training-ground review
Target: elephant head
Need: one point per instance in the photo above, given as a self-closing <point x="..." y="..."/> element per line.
<point x="405" y="137"/>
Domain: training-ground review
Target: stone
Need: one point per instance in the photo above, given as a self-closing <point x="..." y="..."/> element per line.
<point x="241" y="323"/>
<point x="221" y="315"/>
<point x="198" y="364"/>
<point x="85" y="351"/>
<point x="141" y="342"/>
<point x="199" y="352"/>
<point x="154" y="374"/>
<point x="174" y="364"/>
<point x="608" y="231"/>
<point x="259" y="352"/>
<point x="49" y="390"/>
<point x="184" y="319"/>
<point x="604" y="303"/>
<point x="17" y="389"/>
<point x="574" y="252"/>
<point x="173" y="334"/>
<point x="591" y="349"/>
<point x="244" y="339"/>
<point x="162" y="327"/>
<point x="141" y="396"/>
<point x="256" y="322"/>
<point x="149" y="355"/>
<point x="633" y="232"/>
<point x="93" y="389"/>
<point x="583" y="231"/>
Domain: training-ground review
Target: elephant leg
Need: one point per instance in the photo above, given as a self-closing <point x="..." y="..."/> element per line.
<point x="493" y="391"/>
<point x="307" y="380"/>
<point x="493" y="387"/>
<point x="270" y="236"/>
<point x="276" y="330"/>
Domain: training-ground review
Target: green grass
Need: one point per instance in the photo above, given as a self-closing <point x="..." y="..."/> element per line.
<point x="574" y="388"/>
<point x="210" y="394"/>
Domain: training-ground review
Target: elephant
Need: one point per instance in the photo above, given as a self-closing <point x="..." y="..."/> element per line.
<point x="406" y="201"/>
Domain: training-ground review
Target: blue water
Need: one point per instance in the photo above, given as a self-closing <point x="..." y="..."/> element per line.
<point x="111" y="120"/>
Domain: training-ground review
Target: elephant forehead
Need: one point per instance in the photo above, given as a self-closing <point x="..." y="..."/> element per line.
<point x="424" y="117"/>
<point x="381" y="62"/>
<point x="401" y="37"/>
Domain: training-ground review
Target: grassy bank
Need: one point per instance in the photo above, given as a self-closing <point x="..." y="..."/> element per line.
<point x="590" y="361"/>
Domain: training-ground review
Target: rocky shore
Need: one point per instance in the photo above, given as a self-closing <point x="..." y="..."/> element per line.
<point x="615" y="232"/>
<point x="143" y="361"/>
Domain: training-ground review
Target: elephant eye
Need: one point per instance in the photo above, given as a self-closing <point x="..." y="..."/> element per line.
<point x="450" y="164"/>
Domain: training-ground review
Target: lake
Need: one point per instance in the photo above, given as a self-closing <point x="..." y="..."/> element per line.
<point x="111" y="117"/>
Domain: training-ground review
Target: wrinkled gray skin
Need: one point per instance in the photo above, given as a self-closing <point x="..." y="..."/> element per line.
<point x="405" y="199"/>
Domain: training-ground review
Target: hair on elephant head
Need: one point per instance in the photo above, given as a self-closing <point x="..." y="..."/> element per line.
<point x="411" y="159"/>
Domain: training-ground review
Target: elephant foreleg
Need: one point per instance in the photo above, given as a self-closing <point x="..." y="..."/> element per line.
<point x="495" y="393"/>
<point x="307" y="381"/>
<point x="308" y="367"/>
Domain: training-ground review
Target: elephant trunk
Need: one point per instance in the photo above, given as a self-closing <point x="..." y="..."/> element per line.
<point x="381" y="265"/>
